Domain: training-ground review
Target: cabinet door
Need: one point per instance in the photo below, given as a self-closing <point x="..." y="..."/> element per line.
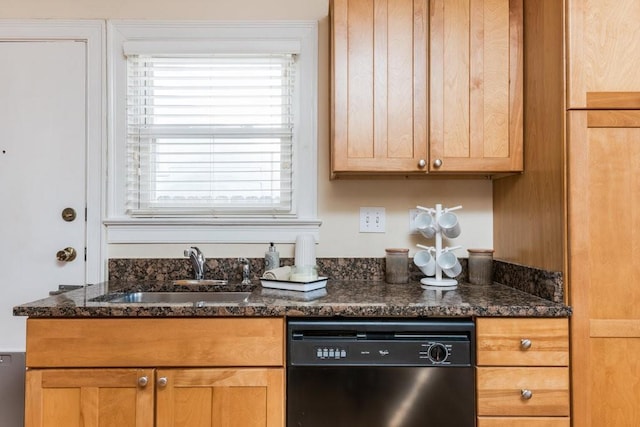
<point x="379" y="82"/>
<point x="220" y="398"/>
<point x="476" y="85"/>
<point x="89" y="398"/>
<point x="604" y="248"/>
<point x="604" y="54"/>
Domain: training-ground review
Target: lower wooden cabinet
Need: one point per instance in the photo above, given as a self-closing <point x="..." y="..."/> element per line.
<point x="195" y="373"/>
<point x="148" y="397"/>
<point x="523" y="372"/>
<point x="220" y="397"/>
<point x="88" y="398"/>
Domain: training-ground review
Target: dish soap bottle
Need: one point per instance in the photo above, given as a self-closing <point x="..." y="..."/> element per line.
<point x="271" y="258"/>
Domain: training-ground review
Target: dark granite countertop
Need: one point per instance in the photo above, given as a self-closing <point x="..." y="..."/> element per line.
<point x="340" y="298"/>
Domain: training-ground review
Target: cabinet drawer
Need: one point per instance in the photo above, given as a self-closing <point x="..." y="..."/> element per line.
<point x="503" y="342"/>
<point x="155" y="342"/>
<point x="500" y="391"/>
<point x="524" y="422"/>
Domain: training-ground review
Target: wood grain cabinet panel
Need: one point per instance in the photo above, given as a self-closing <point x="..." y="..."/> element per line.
<point x="523" y="422"/>
<point x="603" y="54"/>
<point x="523" y="342"/>
<point x="501" y="391"/>
<point x="155" y="342"/>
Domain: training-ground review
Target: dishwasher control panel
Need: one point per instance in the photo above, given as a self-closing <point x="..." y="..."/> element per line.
<point x="392" y="344"/>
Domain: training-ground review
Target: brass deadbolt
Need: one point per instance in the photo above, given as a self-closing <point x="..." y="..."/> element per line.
<point x="68" y="214"/>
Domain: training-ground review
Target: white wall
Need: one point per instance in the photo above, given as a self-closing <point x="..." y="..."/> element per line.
<point x="339" y="201"/>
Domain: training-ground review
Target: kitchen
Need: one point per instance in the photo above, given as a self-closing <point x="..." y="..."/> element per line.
<point x="526" y="212"/>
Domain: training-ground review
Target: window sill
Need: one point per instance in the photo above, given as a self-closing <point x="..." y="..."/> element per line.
<point x="209" y="230"/>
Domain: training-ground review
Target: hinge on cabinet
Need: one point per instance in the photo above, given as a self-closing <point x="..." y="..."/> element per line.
<point x="85" y="253"/>
<point x="85" y="214"/>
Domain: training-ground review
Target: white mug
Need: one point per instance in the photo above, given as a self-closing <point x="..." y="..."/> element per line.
<point x="449" y="264"/>
<point x="449" y="225"/>
<point x="425" y="224"/>
<point x="425" y="262"/>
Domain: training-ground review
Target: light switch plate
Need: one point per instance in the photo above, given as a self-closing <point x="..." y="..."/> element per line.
<point x="372" y="220"/>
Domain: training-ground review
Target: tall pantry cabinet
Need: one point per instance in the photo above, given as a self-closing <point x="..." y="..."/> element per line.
<point x="603" y="164"/>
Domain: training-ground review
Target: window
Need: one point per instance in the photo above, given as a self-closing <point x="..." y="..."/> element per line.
<point x="209" y="134"/>
<point x="213" y="132"/>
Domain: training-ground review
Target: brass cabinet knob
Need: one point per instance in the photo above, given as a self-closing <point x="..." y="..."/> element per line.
<point x="66" y="255"/>
<point x="437" y="163"/>
<point x="143" y="381"/>
<point x="525" y="344"/>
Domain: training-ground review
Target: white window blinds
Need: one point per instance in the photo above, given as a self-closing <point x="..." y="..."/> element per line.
<point x="210" y="134"/>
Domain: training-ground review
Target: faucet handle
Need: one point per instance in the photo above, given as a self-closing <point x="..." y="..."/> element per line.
<point x="246" y="274"/>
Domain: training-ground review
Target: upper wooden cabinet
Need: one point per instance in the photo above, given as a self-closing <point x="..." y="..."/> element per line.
<point x="399" y="107"/>
<point x="603" y="54"/>
<point x="379" y="82"/>
<point x="476" y="81"/>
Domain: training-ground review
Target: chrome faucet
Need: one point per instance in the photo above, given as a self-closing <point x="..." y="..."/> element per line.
<point x="197" y="260"/>
<point x="246" y="273"/>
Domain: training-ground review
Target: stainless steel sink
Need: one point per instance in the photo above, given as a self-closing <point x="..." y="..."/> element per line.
<point x="182" y="297"/>
<point x="198" y="282"/>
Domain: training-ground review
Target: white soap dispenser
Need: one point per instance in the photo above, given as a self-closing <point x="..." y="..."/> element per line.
<point x="271" y="258"/>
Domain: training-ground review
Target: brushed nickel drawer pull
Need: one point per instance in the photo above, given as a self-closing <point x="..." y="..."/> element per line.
<point x="526" y="394"/>
<point x="525" y="344"/>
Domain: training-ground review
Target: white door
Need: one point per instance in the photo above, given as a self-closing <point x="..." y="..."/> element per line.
<point x="43" y="140"/>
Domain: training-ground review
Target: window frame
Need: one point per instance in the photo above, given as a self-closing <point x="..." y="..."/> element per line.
<point x="122" y="228"/>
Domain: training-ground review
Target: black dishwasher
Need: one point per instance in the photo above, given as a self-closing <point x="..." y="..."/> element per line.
<point x="380" y="373"/>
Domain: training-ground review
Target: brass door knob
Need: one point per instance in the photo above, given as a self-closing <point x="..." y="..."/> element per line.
<point x="66" y="255"/>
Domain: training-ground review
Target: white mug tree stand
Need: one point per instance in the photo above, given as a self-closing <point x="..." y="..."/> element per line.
<point x="444" y="223"/>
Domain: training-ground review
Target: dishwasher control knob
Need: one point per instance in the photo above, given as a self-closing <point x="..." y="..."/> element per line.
<point x="438" y="353"/>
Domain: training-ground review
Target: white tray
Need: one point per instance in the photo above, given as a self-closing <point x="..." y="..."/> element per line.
<point x="320" y="282"/>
